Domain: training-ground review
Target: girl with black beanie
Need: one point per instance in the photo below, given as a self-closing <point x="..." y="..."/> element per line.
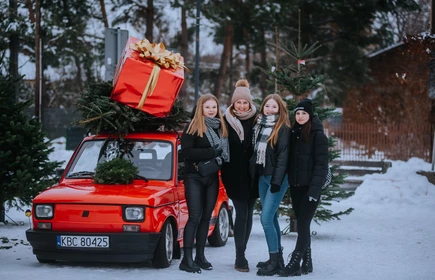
<point x="308" y="166"/>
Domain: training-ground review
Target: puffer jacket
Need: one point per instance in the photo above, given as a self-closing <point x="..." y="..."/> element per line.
<point x="277" y="157"/>
<point x="308" y="162"/>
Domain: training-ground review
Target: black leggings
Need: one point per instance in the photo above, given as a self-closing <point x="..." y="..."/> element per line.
<point x="201" y="194"/>
<point x="243" y="223"/>
<point x="304" y="210"/>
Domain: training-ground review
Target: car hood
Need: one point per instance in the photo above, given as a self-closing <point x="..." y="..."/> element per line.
<point x="84" y="193"/>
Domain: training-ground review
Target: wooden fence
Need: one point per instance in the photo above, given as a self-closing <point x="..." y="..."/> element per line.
<point x="373" y="142"/>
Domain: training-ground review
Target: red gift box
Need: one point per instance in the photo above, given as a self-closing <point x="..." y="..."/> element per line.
<point x="142" y="84"/>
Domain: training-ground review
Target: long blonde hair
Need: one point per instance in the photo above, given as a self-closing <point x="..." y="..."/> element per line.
<point x="197" y="125"/>
<point x="283" y="118"/>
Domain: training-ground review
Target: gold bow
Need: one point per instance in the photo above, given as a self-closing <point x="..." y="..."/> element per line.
<point x="158" y="53"/>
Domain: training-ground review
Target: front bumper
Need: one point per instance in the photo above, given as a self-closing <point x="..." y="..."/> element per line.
<point x="124" y="247"/>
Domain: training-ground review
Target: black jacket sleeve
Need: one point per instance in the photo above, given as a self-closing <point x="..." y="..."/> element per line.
<point x="195" y="148"/>
<point x="281" y="156"/>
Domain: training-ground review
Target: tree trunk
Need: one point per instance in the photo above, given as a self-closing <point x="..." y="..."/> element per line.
<point x="263" y="64"/>
<point x="37" y="58"/>
<point x="14" y="46"/>
<point x="79" y="74"/>
<point x="150" y="21"/>
<point x="228" y="43"/>
<point x="184" y="51"/>
<point x="247" y="52"/>
<point x="104" y="14"/>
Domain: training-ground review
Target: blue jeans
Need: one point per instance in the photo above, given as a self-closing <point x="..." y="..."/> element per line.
<point x="269" y="213"/>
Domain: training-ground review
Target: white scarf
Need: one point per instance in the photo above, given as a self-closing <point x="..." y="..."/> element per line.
<point x="262" y="131"/>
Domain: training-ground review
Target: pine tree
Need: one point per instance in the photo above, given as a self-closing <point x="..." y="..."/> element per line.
<point x="101" y="114"/>
<point x="296" y="80"/>
<point x="25" y="166"/>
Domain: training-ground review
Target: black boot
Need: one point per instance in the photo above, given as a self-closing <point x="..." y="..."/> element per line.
<point x="293" y="268"/>
<point x="200" y="259"/>
<point x="265" y="263"/>
<point x="187" y="263"/>
<point x="241" y="262"/>
<point x="272" y="268"/>
<point x="307" y="262"/>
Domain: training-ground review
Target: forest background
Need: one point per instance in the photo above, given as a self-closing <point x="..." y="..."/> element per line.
<point x="238" y="39"/>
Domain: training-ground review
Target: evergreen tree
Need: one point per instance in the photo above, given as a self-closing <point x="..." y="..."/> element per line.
<point x="295" y="80"/>
<point x="101" y="114"/>
<point x="25" y="167"/>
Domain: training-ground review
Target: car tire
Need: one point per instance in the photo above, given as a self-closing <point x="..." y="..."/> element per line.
<point x="41" y="260"/>
<point x="221" y="230"/>
<point x="164" y="251"/>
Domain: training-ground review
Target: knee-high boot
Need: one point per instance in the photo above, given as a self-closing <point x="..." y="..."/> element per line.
<point x="200" y="259"/>
<point x="187" y="263"/>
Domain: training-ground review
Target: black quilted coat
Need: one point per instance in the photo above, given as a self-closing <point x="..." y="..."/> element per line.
<point x="308" y="162"/>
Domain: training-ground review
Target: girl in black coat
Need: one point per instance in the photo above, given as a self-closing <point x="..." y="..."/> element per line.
<point x="203" y="139"/>
<point x="239" y="118"/>
<point x="308" y="166"/>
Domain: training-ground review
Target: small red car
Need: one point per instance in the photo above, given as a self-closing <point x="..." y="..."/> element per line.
<point x="79" y="220"/>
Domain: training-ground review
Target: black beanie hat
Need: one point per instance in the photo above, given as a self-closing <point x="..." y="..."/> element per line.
<point x="306" y="105"/>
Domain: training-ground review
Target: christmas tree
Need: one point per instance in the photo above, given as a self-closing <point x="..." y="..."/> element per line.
<point x="100" y="114"/>
<point x="296" y="80"/>
<point x="25" y="166"/>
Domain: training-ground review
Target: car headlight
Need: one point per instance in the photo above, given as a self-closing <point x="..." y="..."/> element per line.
<point x="44" y="211"/>
<point x="134" y="213"/>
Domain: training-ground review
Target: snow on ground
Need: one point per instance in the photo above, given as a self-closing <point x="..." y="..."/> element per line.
<point x="389" y="235"/>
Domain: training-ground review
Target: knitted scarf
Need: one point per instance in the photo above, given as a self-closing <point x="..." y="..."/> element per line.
<point x="262" y="131"/>
<point x="235" y="121"/>
<point x="214" y="139"/>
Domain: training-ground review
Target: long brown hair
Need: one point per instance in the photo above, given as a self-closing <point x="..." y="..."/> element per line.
<point x="283" y="118"/>
<point x="197" y="125"/>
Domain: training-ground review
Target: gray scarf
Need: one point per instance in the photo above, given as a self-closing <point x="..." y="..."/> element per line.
<point x="214" y="139"/>
<point x="262" y="131"/>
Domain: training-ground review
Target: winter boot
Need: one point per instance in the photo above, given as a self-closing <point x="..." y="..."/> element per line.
<point x="293" y="268"/>
<point x="187" y="263"/>
<point x="200" y="259"/>
<point x="272" y="268"/>
<point x="307" y="262"/>
<point x="241" y="262"/>
<point x="265" y="263"/>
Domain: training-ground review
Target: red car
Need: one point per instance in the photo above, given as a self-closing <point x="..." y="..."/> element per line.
<point x="79" y="220"/>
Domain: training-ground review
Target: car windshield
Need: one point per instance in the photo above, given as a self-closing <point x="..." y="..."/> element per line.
<point x="152" y="158"/>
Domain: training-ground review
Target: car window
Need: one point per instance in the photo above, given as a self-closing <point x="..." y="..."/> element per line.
<point x="154" y="159"/>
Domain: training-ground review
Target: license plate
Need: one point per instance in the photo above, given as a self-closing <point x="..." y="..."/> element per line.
<point x="72" y="241"/>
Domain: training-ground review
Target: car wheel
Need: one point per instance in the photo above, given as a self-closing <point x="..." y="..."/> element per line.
<point x="221" y="230"/>
<point x="41" y="260"/>
<point x="165" y="248"/>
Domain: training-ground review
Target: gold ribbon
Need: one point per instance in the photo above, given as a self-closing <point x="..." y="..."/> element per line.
<point x="150" y="86"/>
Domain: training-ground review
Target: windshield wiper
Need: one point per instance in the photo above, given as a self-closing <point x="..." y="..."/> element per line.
<point x="141" y="177"/>
<point x="81" y="174"/>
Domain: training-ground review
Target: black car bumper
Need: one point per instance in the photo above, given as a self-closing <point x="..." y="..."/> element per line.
<point x="124" y="247"/>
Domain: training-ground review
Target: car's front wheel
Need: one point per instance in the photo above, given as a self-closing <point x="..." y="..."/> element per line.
<point x="165" y="248"/>
<point x="221" y="230"/>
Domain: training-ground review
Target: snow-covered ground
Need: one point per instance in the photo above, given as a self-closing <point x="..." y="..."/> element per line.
<point x="389" y="235"/>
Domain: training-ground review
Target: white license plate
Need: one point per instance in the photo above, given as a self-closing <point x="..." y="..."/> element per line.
<point x="73" y="241"/>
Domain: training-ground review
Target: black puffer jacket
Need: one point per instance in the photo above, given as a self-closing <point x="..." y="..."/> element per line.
<point x="308" y="162"/>
<point x="277" y="158"/>
<point x="235" y="174"/>
<point x="194" y="149"/>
